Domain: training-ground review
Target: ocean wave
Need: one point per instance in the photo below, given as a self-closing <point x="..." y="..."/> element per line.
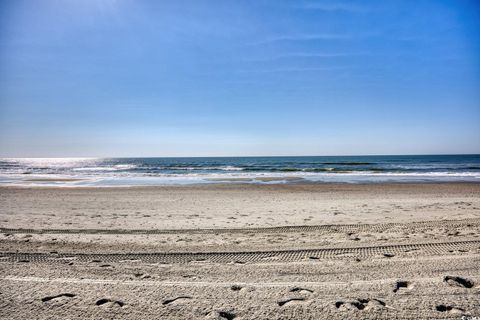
<point x="286" y="173"/>
<point x="232" y="168"/>
<point x="349" y="163"/>
<point x="412" y="174"/>
<point x="126" y="166"/>
<point x="328" y="169"/>
<point x="194" y="177"/>
<point x="117" y="167"/>
<point x="95" y="169"/>
<point x="231" y="177"/>
<point x="301" y="169"/>
<point x="198" y="168"/>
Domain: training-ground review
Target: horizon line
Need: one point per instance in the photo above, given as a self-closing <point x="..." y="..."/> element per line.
<point x="251" y="156"/>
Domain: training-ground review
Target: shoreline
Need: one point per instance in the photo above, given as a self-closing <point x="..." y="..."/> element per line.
<point x="241" y="183"/>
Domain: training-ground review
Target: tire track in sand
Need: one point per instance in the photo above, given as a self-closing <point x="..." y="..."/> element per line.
<point x="431" y="248"/>
<point x="280" y="229"/>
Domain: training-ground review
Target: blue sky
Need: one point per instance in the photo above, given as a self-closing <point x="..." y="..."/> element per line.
<point x="213" y="78"/>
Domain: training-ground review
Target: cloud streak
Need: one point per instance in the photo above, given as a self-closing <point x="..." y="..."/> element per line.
<point x="302" y="37"/>
<point x="308" y="55"/>
<point x="331" y="7"/>
<point x="295" y="69"/>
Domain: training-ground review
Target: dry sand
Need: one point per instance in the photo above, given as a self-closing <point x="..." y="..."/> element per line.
<point x="297" y="251"/>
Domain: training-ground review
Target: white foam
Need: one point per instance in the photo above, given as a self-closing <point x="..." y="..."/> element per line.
<point x="95" y="169"/>
<point x="231" y="168"/>
<point x="126" y="166"/>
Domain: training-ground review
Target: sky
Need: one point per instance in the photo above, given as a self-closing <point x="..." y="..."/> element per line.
<point x="106" y="78"/>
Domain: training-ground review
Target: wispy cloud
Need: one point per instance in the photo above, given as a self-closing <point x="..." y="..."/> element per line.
<point x="295" y="69"/>
<point x="302" y="37"/>
<point x="331" y="7"/>
<point x="308" y="55"/>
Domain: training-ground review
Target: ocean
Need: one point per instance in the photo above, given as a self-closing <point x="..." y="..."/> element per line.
<point x="261" y="170"/>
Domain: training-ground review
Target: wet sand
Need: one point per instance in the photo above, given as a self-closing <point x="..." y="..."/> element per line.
<point x="298" y="251"/>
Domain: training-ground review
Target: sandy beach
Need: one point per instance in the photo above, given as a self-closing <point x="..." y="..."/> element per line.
<point x="305" y="251"/>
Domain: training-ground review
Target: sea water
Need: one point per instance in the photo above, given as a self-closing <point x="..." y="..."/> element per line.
<point x="263" y="170"/>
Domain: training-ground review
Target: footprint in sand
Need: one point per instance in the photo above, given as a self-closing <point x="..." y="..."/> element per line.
<point x="360" y="304"/>
<point x="459" y="282"/>
<point x="301" y="290"/>
<point x="105" y="302"/>
<point x="106" y="266"/>
<point x="221" y="314"/>
<point x="226" y="315"/>
<point x="290" y="301"/>
<point x="295" y="300"/>
<point x="59" y="298"/>
<point x="168" y="301"/>
<point x="449" y="309"/>
<point x="402" y="285"/>
<point x="142" y="275"/>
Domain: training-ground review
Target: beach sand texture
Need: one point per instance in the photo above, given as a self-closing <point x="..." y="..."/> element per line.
<point x="295" y="251"/>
